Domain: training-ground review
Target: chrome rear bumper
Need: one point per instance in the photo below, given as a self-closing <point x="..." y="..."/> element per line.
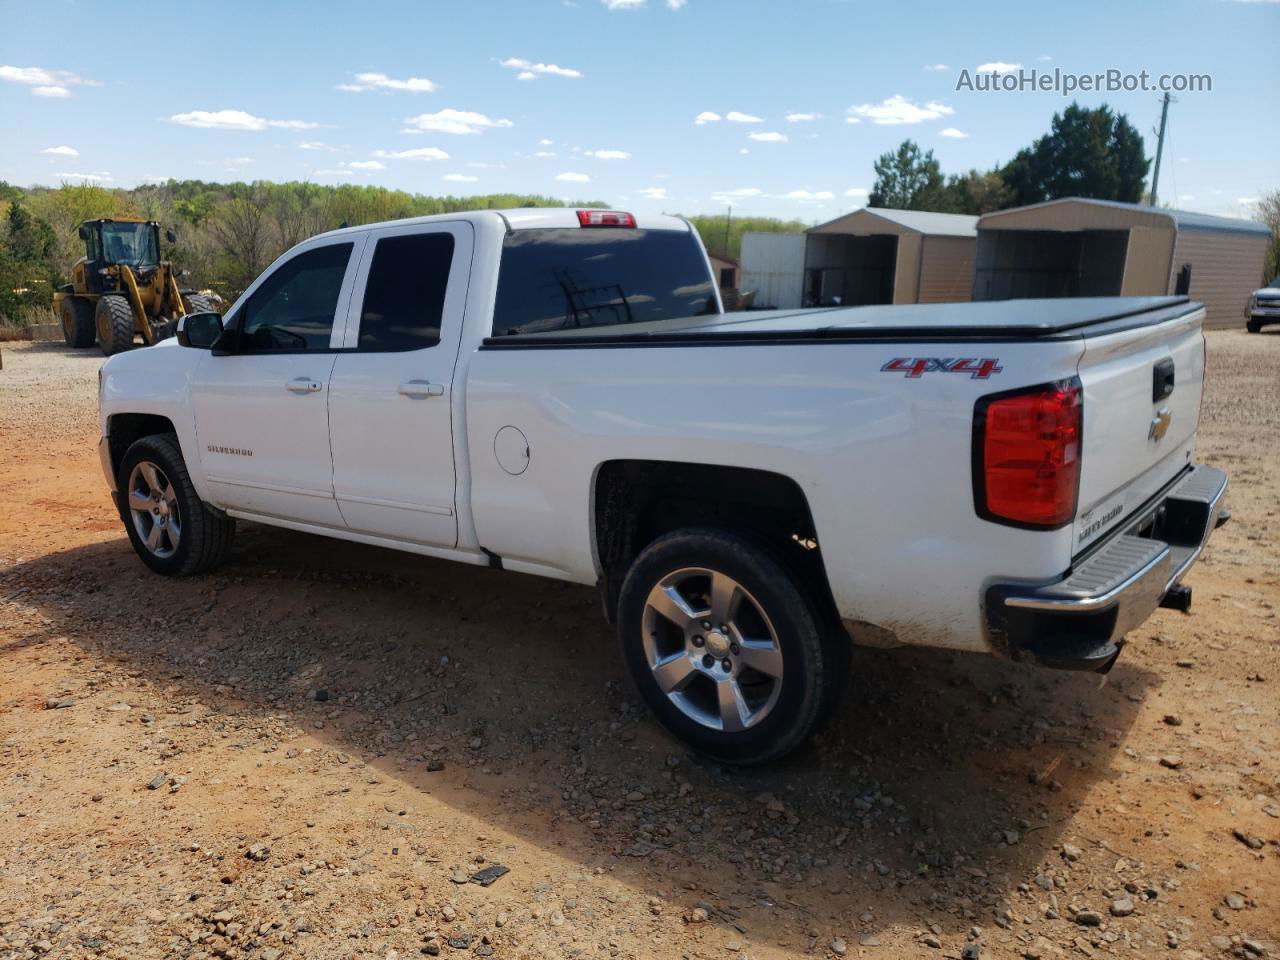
<point x="1079" y="621"/>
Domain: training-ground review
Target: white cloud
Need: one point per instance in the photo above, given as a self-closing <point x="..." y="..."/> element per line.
<point x="545" y="154"/>
<point x="380" y="81"/>
<point x="852" y="119"/>
<point x="422" y="153"/>
<point x="453" y="121"/>
<point x="1045" y="58"/>
<point x="998" y="66"/>
<point x="61" y="151"/>
<point x="100" y="177"/>
<point x="771" y="137"/>
<point x="733" y="116"/>
<point x="235" y="120"/>
<point x="44" y="82"/>
<point x="232" y="163"/>
<point x="936" y="67"/>
<point x="480" y="165"/>
<point x="857" y="192"/>
<point x="898" y="109"/>
<point x="623" y="4"/>
<point x="333" y="173"/>
<point x="954" y="133"/>
<point x="530" y="70"/>
<point x="706" y="116"/>
<point x="544" y="142"/>
<point x="676" y="4"/>
<point x="460" y="178"/>
<point x="316" y="145"/>
<point x="802" y="117"/>
<point x="806" y="195"/>
<point x="367" y="165"/>
<point x="571" y="177"/>
<point x="609" y="154"/>
<point x="744" y="151"/>
<point x="654" y="193"/>
<point x="741" y="193"/>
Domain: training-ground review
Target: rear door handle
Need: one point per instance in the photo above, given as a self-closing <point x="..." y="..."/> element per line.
<point x="421" y="388"/>
<point x="302" y="385"/>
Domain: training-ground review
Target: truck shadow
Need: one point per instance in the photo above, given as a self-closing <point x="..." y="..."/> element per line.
<point x="944" y="782"/>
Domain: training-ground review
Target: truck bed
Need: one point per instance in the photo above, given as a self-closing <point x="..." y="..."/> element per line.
<point x="997" y="320"/>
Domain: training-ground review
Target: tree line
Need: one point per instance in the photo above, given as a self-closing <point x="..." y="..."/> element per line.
<point x="1096" y="154"/>
<point x="227" y="233"/>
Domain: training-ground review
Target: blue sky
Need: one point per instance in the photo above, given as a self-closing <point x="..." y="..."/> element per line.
<point x="601" y="98"/>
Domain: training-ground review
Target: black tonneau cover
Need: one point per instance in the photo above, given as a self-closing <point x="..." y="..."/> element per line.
<point x="988" y="321"/>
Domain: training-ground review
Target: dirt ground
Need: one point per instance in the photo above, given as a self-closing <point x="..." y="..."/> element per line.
<point x="308" y="754"/>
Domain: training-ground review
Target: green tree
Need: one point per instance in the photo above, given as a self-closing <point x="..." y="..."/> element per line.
<point x="1268" y="212"/>
<point x="908" y="179"/>
<point x="976" y="193"/>
<point x="712" y="230"/>
<point x="1087" y="153"/>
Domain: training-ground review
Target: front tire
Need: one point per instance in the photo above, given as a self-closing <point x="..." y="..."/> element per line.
<point x="77" y="322"/>
<point x="114" y="321"/>
<point x="1253" y="326"/>
<point x="726" y="648"/>
<point x="171" y="529"/>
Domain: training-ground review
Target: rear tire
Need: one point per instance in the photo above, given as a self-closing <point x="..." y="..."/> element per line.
<point x="77" y="322"/>
<point x="746" y="694"/>
<point x="171" y="529"/>
<point x="114" y="322"/>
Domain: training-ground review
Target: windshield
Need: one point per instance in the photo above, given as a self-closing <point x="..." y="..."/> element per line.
<point x="568" y="279"/>
<point x="130" y="243"/>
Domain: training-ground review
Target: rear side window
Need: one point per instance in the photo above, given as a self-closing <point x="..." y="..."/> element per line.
<point x="293" y="309"/>
<point x="404" y="296"/>
<point x="564" y="279"/>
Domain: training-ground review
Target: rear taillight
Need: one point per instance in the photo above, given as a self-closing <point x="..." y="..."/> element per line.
<point x="1026" y="455"/>
<point x="605" y="218"/>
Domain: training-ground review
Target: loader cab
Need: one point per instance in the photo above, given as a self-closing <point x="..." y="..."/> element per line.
<point x="107" y="243"/>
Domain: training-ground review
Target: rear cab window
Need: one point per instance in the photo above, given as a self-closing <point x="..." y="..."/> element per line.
<point x="574" y="278"/>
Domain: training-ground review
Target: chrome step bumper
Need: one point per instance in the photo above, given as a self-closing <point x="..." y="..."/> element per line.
<point x="1079" y="621"/>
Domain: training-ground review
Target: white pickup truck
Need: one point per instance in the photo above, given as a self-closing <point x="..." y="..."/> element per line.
<point x="559" y="393"/>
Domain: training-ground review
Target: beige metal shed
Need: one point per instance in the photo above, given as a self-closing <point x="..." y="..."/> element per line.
<point x="875" y="255"/>
<point x="1077" y="247"/>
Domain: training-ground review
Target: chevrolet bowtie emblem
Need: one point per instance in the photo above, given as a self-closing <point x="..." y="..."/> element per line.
<point x="1159" y="424"/>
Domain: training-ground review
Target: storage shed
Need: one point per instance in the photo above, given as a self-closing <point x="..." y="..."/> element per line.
<point x="1077" y="247"/>
<point x="876" y="256"/>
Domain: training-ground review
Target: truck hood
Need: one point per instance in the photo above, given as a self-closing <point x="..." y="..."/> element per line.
<point x="1002" y="319"/>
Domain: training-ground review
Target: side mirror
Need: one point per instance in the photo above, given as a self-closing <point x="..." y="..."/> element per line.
<point x="199" y="330"/>
<point x="84" y="231"/>
<point x="171" y="236"/>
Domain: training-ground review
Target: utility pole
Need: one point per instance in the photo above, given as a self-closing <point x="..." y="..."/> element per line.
<point x="1164" y="119"/>
<point x="727" y="220"/>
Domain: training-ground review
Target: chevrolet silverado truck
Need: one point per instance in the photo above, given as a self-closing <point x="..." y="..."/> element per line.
<point x="559" y="393"/>
<point x="1264" y="307"/>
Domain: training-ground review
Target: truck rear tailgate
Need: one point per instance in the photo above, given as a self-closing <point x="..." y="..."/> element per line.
<point x="1142" y="388"/>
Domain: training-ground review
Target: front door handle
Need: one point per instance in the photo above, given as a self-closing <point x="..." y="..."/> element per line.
<point x="303" y="385"/>
<point x="421" y="388"/>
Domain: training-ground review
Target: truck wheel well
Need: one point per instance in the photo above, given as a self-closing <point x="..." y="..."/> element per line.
<point x="637" y="501"/>
<point x="125" y="428"/>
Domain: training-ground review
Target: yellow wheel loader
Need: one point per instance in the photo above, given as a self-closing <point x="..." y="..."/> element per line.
<point x="121" y="289"/>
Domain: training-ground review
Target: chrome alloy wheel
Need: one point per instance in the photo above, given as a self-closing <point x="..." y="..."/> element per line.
<point x="712" y="649"/>
<point x="153" y="508"/>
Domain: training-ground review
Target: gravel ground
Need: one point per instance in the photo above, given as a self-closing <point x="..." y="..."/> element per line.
<point x="314" y="751"/>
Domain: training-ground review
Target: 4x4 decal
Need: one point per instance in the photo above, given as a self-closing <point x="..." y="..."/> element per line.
<point x="916" y="367"/>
